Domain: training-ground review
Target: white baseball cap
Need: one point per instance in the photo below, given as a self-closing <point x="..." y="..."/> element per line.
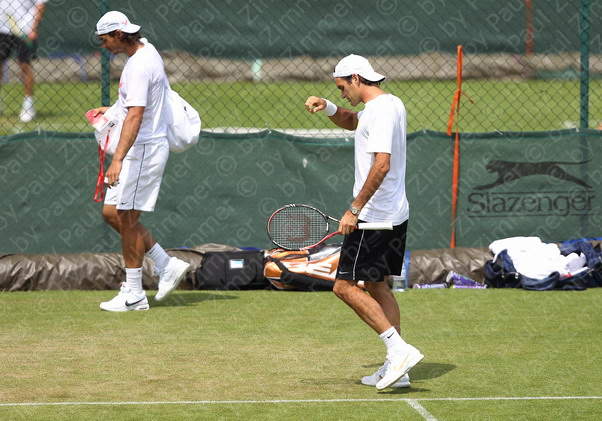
<point x="114" y="20"/>
<point x="356" y="65"/>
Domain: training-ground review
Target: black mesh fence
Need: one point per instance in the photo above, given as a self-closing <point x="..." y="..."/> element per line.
<point x="529" y="64"/>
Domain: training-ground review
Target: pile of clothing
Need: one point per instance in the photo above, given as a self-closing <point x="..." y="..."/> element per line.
<point x="529" y="263"/>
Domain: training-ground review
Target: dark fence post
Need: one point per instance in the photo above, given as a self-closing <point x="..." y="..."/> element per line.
<point x="584" y="28"/>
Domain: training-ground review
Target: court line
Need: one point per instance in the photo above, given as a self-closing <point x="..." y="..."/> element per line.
<point x="413" y="403"/>
<point x="273" y="401"/>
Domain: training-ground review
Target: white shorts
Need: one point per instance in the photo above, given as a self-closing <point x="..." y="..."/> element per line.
<point x="140" y="177"/>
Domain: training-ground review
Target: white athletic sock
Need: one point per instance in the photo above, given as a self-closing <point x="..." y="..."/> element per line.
<point x="27" y="102"/>
<point x="159" y="257"/>
<point x="133" y="279"/>
<point x="392" y="340"/>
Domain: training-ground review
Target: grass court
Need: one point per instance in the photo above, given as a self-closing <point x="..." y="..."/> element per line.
<point x="273" y="355"/>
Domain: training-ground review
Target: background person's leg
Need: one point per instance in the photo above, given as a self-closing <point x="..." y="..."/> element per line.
<point x="28" y="111"/>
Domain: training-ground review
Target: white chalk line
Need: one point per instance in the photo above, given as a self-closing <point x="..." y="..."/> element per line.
<point x="413" y="403"/>
<point x="293" y="401"/>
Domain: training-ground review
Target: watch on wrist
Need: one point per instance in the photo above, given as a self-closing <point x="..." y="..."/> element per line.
<point x="354" y="211"/>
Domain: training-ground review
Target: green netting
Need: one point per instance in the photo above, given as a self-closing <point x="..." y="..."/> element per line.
<point x="224" y="189"/>
<point x="316" y="28"/>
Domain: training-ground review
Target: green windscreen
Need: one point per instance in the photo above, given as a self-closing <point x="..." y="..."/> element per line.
<point x="223" y="189"/>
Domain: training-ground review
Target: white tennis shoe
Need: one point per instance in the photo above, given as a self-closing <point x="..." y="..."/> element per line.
<point x="399" y="364"/>
<point x="171" y="277"/>
<point x="374" y="378"/>
<point x="126" y="300"/>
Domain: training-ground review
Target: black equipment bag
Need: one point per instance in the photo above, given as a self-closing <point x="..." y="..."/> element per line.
<point x="231" y="270"/>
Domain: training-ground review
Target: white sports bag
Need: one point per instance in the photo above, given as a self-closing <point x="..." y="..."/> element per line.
<point x="185" y="127"/>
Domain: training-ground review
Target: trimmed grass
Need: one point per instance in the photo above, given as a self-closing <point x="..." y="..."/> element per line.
<point x="57" y="346"/>
<point x="490" y="105"/>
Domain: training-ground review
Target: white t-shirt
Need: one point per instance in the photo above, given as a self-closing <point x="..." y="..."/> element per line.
<point x="382" y="128"/>
<point x="17" y="16"/>
<point x="144" y="83"/>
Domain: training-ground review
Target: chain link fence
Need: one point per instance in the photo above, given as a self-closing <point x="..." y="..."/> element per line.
<point x="529" y="65"/>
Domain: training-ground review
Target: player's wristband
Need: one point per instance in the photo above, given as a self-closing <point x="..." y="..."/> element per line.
<point x="330" y="108"/>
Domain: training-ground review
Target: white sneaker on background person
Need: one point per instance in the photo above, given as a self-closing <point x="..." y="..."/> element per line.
<point x="171" y="277"/>
<point x="399" y="364"/>
<point x="28" y="111"/>
<point x="375" y="377"/>
<point x="126" y="300"/>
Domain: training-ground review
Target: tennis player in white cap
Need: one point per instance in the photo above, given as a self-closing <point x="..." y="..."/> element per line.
<point x="136" y="170"/>
<point x="379" y="196"/>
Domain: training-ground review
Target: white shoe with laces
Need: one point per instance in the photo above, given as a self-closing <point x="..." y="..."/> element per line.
<point x="399" y="364"/>
<point x="374" y="378"/>
<point x="171" y="277"/>
<point x="126" y="300"/>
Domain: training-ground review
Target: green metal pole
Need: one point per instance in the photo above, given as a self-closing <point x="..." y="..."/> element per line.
<point x="105" y="65"/>
<point x="584" y="28"/>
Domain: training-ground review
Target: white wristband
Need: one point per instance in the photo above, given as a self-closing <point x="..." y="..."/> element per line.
<point x="330" y="109"/>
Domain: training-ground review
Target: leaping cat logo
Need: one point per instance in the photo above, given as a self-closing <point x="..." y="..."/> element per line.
<point x="509" y="171"/>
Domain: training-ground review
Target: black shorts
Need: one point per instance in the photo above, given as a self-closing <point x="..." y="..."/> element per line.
<point x="371" y="255"/>
<point x="24" y="51"/>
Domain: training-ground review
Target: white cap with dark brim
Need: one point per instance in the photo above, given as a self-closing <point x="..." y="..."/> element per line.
<point x="113" y="21"/>
<point x="357" y="65"/>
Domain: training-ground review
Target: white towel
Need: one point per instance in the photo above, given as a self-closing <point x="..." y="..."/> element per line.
<point x="535" y="259"/>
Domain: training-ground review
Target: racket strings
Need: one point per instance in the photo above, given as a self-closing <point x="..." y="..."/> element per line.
<point x="297" y="227"/>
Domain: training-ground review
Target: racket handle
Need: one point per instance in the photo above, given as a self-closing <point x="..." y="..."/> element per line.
<point x="375" y="225"/>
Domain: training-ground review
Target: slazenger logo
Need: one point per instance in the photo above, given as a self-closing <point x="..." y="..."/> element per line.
<point x="509" y="171"/>
<point x="530" y="203"/>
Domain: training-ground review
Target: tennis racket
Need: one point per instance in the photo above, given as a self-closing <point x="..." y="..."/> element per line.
<point x="299" y="227"/>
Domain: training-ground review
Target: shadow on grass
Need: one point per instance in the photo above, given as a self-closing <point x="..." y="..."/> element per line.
<point x="188" y="299"/>
<point x="422" y="371"/>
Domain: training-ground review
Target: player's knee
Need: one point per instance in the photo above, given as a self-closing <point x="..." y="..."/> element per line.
<point x="377" y="288"/>
<point x="128" y="218"/>
<point x="110" y="216"/>
<point x="341" y="289"/>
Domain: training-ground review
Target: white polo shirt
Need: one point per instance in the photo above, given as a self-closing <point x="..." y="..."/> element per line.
<point x="382" y="128"/>
<point x="144" y="83"/>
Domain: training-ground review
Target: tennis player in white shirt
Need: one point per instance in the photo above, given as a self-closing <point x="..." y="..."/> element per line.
<point x="134" y="176"/>
<point x="379" y="196"/>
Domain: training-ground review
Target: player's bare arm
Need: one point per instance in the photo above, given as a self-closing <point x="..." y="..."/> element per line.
<point x="378" y="171"/>
<point x="131" y="125"/>
<point x="343" y="117"/>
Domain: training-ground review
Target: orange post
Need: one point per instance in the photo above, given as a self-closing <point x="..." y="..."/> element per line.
<point x="529" y="32"/>
<point x="453" y="121"/>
